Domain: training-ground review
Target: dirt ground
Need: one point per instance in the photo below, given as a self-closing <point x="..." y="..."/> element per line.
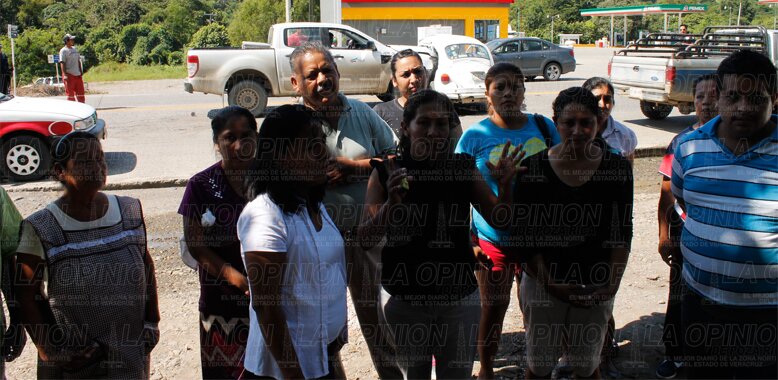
<point x="639" y="310"/>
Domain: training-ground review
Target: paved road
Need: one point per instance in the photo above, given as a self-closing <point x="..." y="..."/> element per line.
<point x="158" y="132"/>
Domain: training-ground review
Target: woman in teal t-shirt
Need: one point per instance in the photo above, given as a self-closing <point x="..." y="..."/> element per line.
<point x="496" y="249"/>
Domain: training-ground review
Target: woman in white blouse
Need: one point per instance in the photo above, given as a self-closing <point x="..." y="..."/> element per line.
<point x="293" y="253"/>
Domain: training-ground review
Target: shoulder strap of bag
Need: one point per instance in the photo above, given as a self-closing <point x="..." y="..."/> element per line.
<point x="543" y="127"/>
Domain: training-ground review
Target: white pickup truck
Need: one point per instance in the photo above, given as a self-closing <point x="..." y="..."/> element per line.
<point x="659" y="70"/>
<point x="255" y="71"/>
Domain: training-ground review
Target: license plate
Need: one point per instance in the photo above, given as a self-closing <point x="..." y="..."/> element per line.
<point x="635" y="92"/>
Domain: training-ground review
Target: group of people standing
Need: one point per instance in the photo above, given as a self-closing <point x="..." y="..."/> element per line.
<point x="426" y="226"/>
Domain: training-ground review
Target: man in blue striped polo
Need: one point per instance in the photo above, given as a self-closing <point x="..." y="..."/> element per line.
<point x="725" y="177"/>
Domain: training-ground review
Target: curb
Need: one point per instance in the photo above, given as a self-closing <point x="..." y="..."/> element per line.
<point x="127" y="185"/>
<point x="657" y="151"/>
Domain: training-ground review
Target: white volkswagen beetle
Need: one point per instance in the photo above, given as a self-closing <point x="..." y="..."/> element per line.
<point x="27" y="126"/>
<point x="462" y="63"/>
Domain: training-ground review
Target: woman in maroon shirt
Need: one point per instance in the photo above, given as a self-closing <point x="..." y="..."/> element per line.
<point x="212" y="203"/>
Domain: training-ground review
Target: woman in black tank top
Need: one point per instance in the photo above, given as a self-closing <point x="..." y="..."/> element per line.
<point x="420" y="201"/>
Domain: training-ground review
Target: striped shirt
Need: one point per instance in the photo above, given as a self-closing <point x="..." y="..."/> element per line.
<point x="730" y="238"/>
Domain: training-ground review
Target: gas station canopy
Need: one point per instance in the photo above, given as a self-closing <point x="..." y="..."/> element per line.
<point x="639" y="10"/>
<point x="642" y="10"/>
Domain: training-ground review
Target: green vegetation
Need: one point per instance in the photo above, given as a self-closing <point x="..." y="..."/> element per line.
<point x="209" y="36"/>
<point x="136" y="39"/>
<point x="535" y="17"/>
<point x="113" y="71"/>
<point x="147" y="39"/>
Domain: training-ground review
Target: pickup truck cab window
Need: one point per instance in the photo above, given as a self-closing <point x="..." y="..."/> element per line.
<point x="294" y="37"/>
<point x="344" y="39"/>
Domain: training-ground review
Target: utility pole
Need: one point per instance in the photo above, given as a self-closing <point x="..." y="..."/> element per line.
<point x="518" y="20"/>
<point x="288" y="10"/>
<point x="13" y="33"/>
<point x="739" y="9"/>
<point x="552" y="26"/>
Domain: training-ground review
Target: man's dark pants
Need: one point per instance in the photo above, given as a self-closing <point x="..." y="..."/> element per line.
<point x="723" y="342"/>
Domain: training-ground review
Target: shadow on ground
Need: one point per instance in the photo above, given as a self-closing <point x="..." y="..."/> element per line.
<point x="120" y="162"/>
<point x="640" y="350"/>
<point x="672" y="124"/>
<point x="641" y="347"/>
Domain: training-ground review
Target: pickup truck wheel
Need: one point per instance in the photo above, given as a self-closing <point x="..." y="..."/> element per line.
<point x="552" y="71"/>
<point x="250" y="95"/>
<point x="655" y="111"/>
<point x="388" y="95"/>
<point x="25" y="158"/>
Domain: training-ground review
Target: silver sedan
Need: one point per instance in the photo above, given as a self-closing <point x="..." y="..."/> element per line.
<point x="534" y="56"/>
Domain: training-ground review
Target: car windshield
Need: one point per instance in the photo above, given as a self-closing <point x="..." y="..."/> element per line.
<point x="460" y="51"/>
<point x="493" y="44"/>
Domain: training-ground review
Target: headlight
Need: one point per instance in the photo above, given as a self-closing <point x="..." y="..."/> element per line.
<point x="87" y="123"/>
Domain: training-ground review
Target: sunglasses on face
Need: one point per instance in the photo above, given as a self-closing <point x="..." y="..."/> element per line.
<point x="605" y="98"/>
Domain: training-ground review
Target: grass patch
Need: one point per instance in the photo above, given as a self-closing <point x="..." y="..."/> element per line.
<point x="112" y="71"/>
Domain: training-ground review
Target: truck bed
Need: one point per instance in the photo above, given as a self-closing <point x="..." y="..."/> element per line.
<point x="662" y="67"/>
<point x="212" y="74"/>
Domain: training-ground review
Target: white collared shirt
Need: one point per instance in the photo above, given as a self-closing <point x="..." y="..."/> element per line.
<point x="313" y="292"/>
<point x="620" y="137"/>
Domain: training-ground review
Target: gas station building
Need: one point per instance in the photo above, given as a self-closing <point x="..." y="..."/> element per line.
<point x="397" y="21"/>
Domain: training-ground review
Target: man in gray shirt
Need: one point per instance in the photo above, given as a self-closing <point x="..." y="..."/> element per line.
<point x="70" y="63"/>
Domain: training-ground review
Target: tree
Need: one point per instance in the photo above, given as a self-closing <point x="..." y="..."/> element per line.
<point x="306" y="10"/>
<point x="209" y="36"/>
<point x="32" y="48"/>
<point x="114" y="14"/>
<point x="53" y="11"/>
<point x="60" y="17"/>
<point x="183" y="18"/>
<point x="128" y="38"/>
<point x="8" y="11"/>
<point x="139" y="54"/>
<point x="159" y="45"/>
<point x="152" y="48"/>
<point x="30" y="11"/>
<point x="105" y="44"/>
<point x="253" y="20"/>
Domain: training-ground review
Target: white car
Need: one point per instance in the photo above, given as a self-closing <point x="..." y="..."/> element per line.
<point x="460" y="70"/>
<point x="27" y="127"/>
<point x="50" y="81"/>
